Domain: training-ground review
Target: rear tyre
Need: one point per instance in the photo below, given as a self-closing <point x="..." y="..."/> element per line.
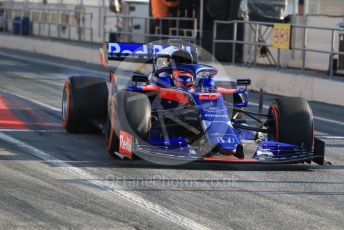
<point x="291" y="122"/>
<point x="84" y="98"/>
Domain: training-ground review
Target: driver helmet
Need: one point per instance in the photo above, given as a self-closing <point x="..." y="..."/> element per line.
<point x="182" y="78"/>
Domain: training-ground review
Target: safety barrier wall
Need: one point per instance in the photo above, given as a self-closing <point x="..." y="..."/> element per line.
<point x="313" y="45"/>
<point x="53" y="22"/>
<point x="92" y="24"/>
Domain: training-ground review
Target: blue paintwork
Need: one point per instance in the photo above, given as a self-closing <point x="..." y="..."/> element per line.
<point x="244" y="134"/>
<point x="215" y="112"/>
<point x="214" y="116"/>
<point x="278" y="149"/>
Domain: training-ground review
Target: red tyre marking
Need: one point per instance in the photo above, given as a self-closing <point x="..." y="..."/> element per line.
<point x="112" y="126"/>
<point x="8" y="119"/>
<point x="275" y="114"/>
<point x="110" y="140"/>
<point x="68" y="95"/>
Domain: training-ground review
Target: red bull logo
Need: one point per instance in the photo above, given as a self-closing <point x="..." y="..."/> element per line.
<point x="125" y="144"/>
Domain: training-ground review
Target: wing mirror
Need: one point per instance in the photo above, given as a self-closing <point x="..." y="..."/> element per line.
<point x="243" y="82"/>
<point x="139" y="77"/>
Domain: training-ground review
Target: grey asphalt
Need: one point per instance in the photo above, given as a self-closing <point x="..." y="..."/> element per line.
<point x="40" y="193"/>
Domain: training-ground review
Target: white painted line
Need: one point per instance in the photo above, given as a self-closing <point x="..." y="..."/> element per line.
<point x="322" y="133"/>
<point x="329" y="120"/>
<point x="315" y="117"/>
<point x="331" y="137"/>
<point x="33" y="101"/>
<point x="327" y="136"/>
<point x="115" y="189"/>
<point x="42" y="61"/>
<point x="34" y="130"/>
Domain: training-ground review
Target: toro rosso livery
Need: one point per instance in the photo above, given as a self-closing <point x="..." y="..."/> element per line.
<point x="179" y="112"/>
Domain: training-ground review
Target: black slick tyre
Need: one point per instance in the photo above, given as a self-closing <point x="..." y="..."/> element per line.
<point x="291" y="122"/>
<point x="84" y="98"/>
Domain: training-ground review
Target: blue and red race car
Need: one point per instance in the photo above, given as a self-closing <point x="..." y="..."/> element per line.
<point x="179" y="113"/>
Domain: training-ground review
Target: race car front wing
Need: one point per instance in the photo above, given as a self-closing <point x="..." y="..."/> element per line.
<point x="186" y="153"/>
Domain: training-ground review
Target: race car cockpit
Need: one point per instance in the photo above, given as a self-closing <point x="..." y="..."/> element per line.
<point x="166" y="69"/>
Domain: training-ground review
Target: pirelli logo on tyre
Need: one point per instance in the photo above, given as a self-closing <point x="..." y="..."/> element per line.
<point x="282" y="36"/>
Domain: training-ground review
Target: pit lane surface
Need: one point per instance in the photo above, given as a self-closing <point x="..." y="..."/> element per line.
<point x="53" y="179"/>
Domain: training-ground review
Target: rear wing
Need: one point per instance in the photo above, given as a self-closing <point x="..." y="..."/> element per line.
<point x="131" y="52"/>
<point x="137" y="52"/>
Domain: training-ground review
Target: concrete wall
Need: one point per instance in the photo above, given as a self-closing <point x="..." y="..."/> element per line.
<point x="65" y="50"/>
<point x="274" y="82"/>
<point x="289" y="84"/>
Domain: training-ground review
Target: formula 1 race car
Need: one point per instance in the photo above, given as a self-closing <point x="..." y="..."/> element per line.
<point x="179" y="112"/>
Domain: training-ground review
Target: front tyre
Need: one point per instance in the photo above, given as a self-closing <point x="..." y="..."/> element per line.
<point x="291" y="122"/>
<point x="129" y="112"/>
